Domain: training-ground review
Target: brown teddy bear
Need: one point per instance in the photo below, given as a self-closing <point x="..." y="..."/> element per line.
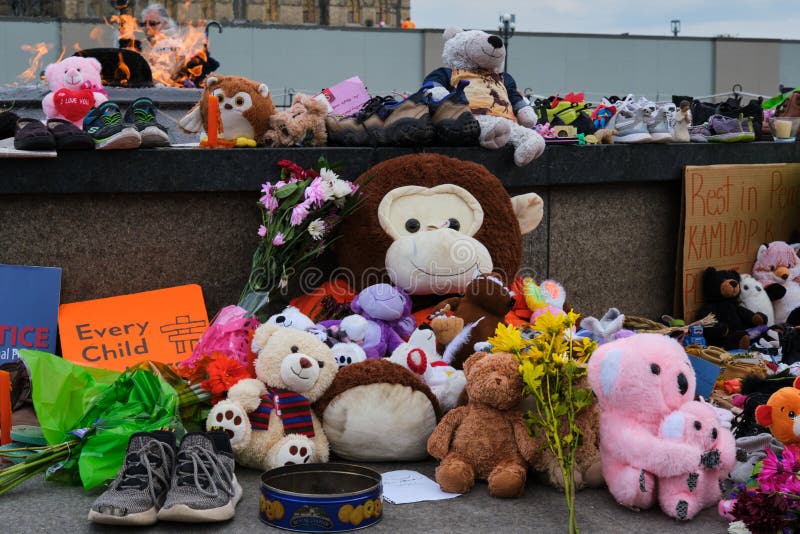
<point x="588" y="472"/>
<point x="487" y="439"/>
<point x="302" y="124"/>
<point x="475" y="317"/>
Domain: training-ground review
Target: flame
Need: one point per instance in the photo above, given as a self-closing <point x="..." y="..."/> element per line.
<point x="61" y="55"/>
<point x="126" y="24"/>
<point x="123" y="73"/>
<point x="97" y="33"/>
<point x="77" y="47"/>
<point x="173" y="59"/>
<point x="38" y="51"/>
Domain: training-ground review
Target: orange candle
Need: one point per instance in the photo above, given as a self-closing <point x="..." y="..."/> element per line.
<point x="213" y="121"/>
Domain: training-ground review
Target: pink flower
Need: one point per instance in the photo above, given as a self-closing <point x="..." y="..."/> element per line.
<point x="269" y="201"/>
<point x="791" y="457"/>
<point x="299" y="213"/>
<point x="278" y="240"/>
<point x="315" y="193"/>
<point x="262" y="230"/>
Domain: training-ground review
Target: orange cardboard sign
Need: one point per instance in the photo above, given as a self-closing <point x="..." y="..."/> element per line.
<point x="117" y="332"/>
<point x="729" y="211"/>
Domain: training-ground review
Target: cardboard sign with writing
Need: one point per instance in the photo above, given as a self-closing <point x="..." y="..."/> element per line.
<point x="117" y="332"/>
<point x="29" y="298"/>
<point x="728" y="212"/>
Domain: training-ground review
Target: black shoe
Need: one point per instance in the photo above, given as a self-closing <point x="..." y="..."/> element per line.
<point x="8" y="124"/>
<point x="32" y="134"/>
<point x="68" y="136"/>
<point x="142" y="114"/>
<point x="104" y="123"/>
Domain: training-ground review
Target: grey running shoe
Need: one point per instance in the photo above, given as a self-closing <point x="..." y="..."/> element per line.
<point x="141" y="486"/>
<point x="629" y="122"/>
<point x="104" y="123"/>
<point x="204" y="487"/>
<point x="729" y="130"/>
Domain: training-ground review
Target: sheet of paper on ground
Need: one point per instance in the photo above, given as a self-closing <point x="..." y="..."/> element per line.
<point x="405" y="486"/>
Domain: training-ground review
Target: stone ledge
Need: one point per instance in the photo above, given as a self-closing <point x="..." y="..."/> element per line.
<point x="194" y="170"/>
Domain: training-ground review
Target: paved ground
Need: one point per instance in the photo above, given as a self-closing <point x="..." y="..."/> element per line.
<point x="39" y="506"/>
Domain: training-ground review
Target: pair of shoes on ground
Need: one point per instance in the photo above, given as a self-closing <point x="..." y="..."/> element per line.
<point x="55" y="134"/>
<point x="721" y="129"/>
<point x="418" y="120"/>
<point x="138" y="128"/>
<point x="158" y="481"/>
<point x="642" y="121"/>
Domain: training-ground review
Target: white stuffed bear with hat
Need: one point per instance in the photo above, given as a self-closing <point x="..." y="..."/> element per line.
<point x="503" y="113"/>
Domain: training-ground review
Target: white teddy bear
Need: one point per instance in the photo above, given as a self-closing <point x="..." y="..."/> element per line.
<point x="504" y="114"/>
<point x="754" y="298"/>
<point x="269" y="418"/>
<point x="419" y="356"/>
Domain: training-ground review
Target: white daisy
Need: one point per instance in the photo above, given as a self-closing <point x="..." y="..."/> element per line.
<point x="317" y="229"/>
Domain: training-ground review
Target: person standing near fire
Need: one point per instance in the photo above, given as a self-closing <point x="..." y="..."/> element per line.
<point x="408" y="24"/>
<point x="163" y="50"/>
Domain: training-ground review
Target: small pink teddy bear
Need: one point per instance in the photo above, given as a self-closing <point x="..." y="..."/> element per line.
<point x="685" y="495"/>
<point x="76" y="87"/>
<point x="640" y="380"/>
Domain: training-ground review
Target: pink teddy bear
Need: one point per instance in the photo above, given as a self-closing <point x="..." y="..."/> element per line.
<point x="76" y="87"/>
<point x="639" y="381"/>
<point x="685" y="495"/>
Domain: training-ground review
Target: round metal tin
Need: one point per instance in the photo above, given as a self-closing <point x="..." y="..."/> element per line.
<point x="321" y="497"/>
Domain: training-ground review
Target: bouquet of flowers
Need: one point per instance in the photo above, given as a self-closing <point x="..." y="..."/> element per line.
<point x="298" y="215"/>
<point x="552" y="365"/>
<point x="770" y="501"/>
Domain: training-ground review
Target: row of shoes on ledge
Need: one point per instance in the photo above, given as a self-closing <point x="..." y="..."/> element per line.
<point x="104" y="128"/>
<point x="418" y="120"/>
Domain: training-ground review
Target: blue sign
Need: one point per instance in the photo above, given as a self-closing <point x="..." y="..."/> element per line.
<point x="29" y="299"/>
<point x="706" y="373"/>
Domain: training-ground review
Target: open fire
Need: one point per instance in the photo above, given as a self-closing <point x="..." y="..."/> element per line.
<point x="175" y="58"/>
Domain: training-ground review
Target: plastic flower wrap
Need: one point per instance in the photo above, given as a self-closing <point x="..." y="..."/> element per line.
<point x="552" y="365"/>
<point x="88" y="415"/>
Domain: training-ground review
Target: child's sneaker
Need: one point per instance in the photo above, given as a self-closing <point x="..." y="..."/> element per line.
<point x="104" y="123"/>
<point x="728" y="130"/>
<point x="204" y="487"/>
<point x="141" y="486"/>
<point x="658" y="119"/>
<point x="142" y="114"/>
<point x="453" y="120"/>
<point x="629" y="123"/>
<point x="699" y="133"/>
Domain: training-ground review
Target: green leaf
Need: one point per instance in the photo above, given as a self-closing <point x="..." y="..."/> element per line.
<point x="286" y="190"/>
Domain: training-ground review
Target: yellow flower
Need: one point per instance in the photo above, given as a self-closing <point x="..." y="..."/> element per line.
<point x="507" y="339"/>
<point x="550" y="324"/>
<point x="571" y="319"/>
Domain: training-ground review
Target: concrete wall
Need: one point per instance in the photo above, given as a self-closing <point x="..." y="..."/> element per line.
<point x="755" y="65"/>
<point x="310" y="58"/>
<point x="789" y="66"/>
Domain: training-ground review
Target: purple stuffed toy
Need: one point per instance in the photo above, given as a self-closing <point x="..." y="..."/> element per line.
<point x="387" y="310"/>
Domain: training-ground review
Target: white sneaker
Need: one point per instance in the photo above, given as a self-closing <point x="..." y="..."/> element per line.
<point x="660" y="120"/>
<point x="629" y="123"/>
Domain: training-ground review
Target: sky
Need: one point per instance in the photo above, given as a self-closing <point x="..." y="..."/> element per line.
<point x="699" y="18"/>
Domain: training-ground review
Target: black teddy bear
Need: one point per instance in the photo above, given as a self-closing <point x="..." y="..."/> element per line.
<point x="721" y="289"/>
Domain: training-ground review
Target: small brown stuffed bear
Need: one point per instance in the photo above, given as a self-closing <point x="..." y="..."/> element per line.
<point x="302" y="124"/>
<point x="486" y="439"/>
<point x="588" y="472"/>
<point x="476" y="315"/>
